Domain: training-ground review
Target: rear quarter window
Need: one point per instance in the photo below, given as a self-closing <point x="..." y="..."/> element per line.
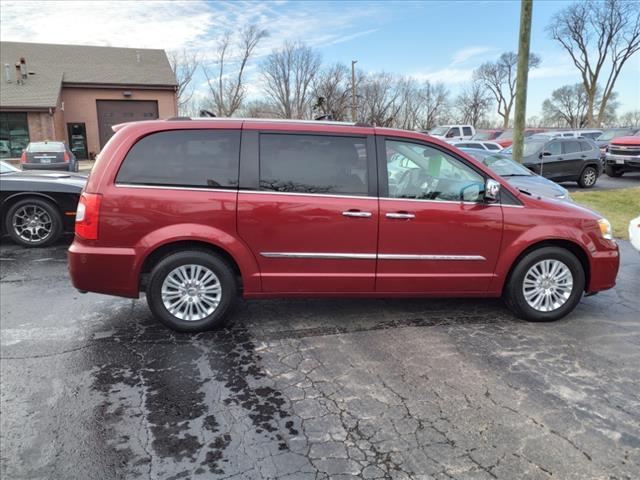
<point x="467" y="131"/>
<point x="184" y="158"/>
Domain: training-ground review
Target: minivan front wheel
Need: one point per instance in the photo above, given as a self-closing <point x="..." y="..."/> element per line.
<point x="192" y="291"/>
<point x="545" y="285"/>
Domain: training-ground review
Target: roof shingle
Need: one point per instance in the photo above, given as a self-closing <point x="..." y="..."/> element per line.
<point x="56" y="64"/>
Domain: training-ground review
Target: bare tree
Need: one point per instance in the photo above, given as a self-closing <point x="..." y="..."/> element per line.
<point x="599" y="36"/>
<point x="630" y="119"/>
<point x="499" y="78"/>
<point x="473" y="103"/>
<point x="227" y="87"/>
<point x="287" y="75"/>
<point x="184" y="65"/>
<point x="379" y="99"/>
<point x="568" y="105"/>
<point x="332" y="92"/>
<point x="434" y="102"/>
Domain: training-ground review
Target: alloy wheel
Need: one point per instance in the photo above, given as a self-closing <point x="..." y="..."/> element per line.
<point x="547" y="285"/>
<point x="191" y="292"/>
<point x="32" y="223"/>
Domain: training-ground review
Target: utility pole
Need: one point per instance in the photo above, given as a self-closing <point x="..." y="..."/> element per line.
<point x="524" y="42"/>
<point x="354" y="105"/>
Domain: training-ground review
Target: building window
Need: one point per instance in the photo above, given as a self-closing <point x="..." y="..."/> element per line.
<point x="14" y="134"/>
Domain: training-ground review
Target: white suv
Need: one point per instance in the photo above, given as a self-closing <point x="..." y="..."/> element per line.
<point x="452" y="133"/>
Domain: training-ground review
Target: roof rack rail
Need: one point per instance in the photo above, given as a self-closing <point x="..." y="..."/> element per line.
<point x="362" y="124"/>
<point x="178" y="118"/>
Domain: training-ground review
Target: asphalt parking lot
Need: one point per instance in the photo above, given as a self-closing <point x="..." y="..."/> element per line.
<point x="605" y="182"/>
<point x="93" y="387"/>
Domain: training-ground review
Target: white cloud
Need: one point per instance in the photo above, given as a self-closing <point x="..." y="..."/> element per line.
<point x="469" y="53"/>
<point x="447" y="75"/>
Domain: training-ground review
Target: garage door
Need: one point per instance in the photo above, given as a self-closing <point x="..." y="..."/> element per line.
<point x="113" y="112"/>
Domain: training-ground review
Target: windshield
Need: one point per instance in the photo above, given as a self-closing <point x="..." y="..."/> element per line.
<point x="439" y="131"/>
<point x="45" y="147"/>
<point x="6" y="168"/>
<point x="482" y="136"/>
<point x="501" y="164"/>
<point x="614" y="132"/>
<point x="531" y="147"/>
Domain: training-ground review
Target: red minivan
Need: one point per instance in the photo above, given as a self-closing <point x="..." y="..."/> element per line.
<point x="196" y="212"/>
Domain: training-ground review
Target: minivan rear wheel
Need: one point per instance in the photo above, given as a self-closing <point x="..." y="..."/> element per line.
<point x="545" y="285"/>
<point x="588" y="177"/>
<point x="192" y="291"/>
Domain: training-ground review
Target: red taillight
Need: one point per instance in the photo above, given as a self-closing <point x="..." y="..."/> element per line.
<point x="66" y="157"/>
<point x="23" y="157"/>
<point x="88" y="216"/>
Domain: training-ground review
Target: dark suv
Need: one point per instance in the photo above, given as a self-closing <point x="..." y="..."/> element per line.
<point x="562" y="159"/>
<point x="198" y="212"/>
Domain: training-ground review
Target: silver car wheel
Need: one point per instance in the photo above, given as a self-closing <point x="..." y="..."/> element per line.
<point x="589" y="177"/>
<point x="32" y="223"/>
<point x="191" y="292"/>
<point x="547" y="285"/>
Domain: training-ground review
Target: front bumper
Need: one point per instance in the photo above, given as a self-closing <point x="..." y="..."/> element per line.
<point x="605" y="263"/>
<point x="112" y="271"/>
<point x="628" y="162"/>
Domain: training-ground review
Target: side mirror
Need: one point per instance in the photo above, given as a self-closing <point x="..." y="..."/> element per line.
<point x="491" y="190"/>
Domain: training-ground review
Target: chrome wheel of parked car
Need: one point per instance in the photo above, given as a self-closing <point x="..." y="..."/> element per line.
<point x="588" y="177"/>
<point x="191" y="292"/>
<point x="33" y="222"/>
<point x="547" y="285"/>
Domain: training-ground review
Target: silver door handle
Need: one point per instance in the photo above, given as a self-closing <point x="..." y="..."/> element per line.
<point x="351" y="213"/>
<point x="400" y="215"/>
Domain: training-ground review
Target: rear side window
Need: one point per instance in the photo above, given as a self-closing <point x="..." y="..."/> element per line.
<point x="184" y="158"/>
<point x="313" y="164"/>
<point x="571" y="147"/>
<point x="585" y="146"/>
<point x="466" y="131"/>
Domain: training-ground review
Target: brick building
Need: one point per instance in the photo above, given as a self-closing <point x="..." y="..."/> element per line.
<point x="76" y="93"/>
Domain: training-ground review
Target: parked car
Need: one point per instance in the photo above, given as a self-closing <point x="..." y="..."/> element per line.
<point x="592" y="134"/>
<point x="519" y="176"/>
<point x="562" y="159"/>
<point x="197" y="212"/>
<point x="453" y="132"/>
<point x="609" y="134"/>
<point x="634" y="233"/>
<point x="37" y="207"/>
<point x="48" y="156"/>
<point x="491" y="146"/>
<point x="623" y="155"/>
<point x="487" y="135"/>
<point x="506" y="138"/>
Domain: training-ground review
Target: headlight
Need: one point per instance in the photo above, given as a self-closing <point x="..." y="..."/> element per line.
<point x="605" y="228"/>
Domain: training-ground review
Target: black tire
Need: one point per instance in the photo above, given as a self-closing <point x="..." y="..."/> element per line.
<point x="37" y="205"/>
<point x="217" y="265"/>
<point x="613" y="171"/>
<point x="514" y="295"/>
<point x="588" y="177"/>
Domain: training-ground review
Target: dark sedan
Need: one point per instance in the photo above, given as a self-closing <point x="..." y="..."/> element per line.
<point x="520" y="177"/>
<point x="36" y="207"/>
<point x="48" y="156"/>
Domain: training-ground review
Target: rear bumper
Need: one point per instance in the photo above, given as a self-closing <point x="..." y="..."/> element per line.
<point x="604" y="268"/>
<point x="103" y="270"/>
<point x="47" y="166"/>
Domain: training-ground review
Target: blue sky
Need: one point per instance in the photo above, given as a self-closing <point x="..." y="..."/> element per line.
<point x="439" y="41"/>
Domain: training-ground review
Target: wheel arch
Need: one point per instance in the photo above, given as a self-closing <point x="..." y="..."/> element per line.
<point x="569" y="245"/>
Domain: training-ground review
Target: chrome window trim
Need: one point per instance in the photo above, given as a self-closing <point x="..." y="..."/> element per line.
<point x="370" y="256"/>
<point x="172" y="187"/>
<point x="268" y="192"/>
